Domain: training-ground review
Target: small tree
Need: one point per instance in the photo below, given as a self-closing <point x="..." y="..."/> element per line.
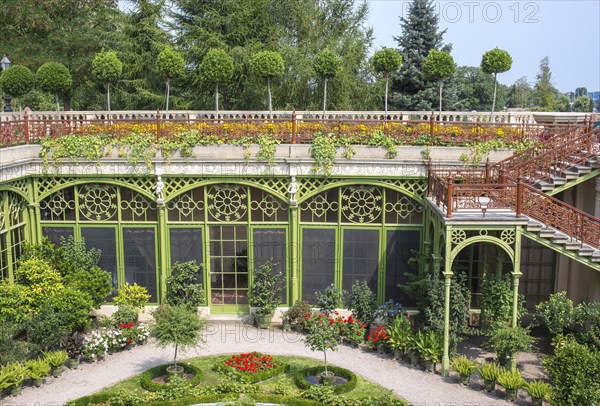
<point x="55" y="78"/>
<point x="216" y="68"/>
<point x="495" y="61"/>
<point x="107" y="68"/>
<point x="16" y="81"/>
<point x="171" y="65"/>
<point x="438" y="66"/>
<point x="327" y="65"/>
<point x="267" y="64"/>
<point x="177" y="326"/>
<point x="322" y="336"/>
<point x="583" y="104"/>
<point x="386" y="61"/>
<point x="182" y="285"/>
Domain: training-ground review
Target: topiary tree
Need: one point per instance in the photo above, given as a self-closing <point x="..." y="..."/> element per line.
<point x="177" y="326"/>
<point x="171" y="65"/>
<point x="494" y="62"/>
<point x="107" y="68"/>
<point x="438" y="66"/>
<point x="216" y="68"/>
<point x="323" y="335"/>
<point x="267" y="64"/>
<point x="183" y="287"/>
<point x="16" y="81"/>
<point x="55" y="78"/>
<point x="327" y="65"/>
<point x="386" y="61"/>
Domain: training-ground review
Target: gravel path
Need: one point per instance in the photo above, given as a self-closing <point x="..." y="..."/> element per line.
<point x="418" y="387"/>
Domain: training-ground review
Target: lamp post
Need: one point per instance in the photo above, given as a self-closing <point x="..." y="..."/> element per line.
<point x="5" y="63"/>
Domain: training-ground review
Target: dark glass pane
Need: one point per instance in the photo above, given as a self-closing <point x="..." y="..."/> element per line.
<point x="537" y="266"/>
<point x="269" y="244"/>
<point x="318" y="261"/>
<point x="361" y="257"/>
<point x="139" y="259"/>
<point x="3" y="258"/>
<point x="228" y="264"/>
<point x="186" y="245"/>
<point x="55" y="233"/>
<point x="398" y="251"/>
<point x="103" y="239"/>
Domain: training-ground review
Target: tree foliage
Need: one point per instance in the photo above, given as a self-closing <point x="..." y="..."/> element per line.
<point x="583" y="104"/>
<point x="420" y="34"/>
<point x="438" y="66"/>
<point x="327" y="64"/>
<point x="386" y="61"/>
<point x="267" y="64"/>
<point x="54" y="77"/>
<point x="17" y="80"/>
<point x="107" y="67"/>
<point x="183" y="287"/>
<point x="493" y="62"/>
<point x="544" y="93"/>
<point x="216" y="66"/>
<point x="170" y="63"/>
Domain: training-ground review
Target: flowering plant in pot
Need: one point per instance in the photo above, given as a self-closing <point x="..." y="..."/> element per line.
<point x="465" y="367"/>
<point x="399" y="333"/>
<point x="323" y="335"/>
<point x="354" y="331"/>
<point x="378" y="339"/>
<point x="95" y="346"/>
<point x="265" y="293"/>
<point x="511" y="380"/>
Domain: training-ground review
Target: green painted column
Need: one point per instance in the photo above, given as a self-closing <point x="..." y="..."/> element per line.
<point x="32" y="219"/>
<point x="516" y="274"/>
<point x="446" y="355"/>
<point x="294" y="254"/>
<point x="163" y="249"/>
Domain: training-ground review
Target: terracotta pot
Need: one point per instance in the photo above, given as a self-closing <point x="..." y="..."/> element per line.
<point x="327" y="378"/>
<point x="175" y="370"/>
<point x="263" y="321"/>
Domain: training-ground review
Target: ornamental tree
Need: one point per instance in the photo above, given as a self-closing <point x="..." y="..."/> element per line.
<point x="54" y="77"/>
<point x="16" y="81"/>
<point x="107" y="68"/>
<point x="171" y="65"/>
<point x="216" y="68"/>
<point x="495" y="61"/>
<point x="323" y="335"/>
<point x="327" y="65"/>
<point x="177" y="326"/>
<point x="438" y="66"/>
<point x="267" y="64"/>
<point x="386" y="61"/>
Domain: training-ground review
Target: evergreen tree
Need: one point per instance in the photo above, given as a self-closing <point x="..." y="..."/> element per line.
<point x="544" y="93"/>
<point x="419" y="35"/>
<point x="520" y="94"/>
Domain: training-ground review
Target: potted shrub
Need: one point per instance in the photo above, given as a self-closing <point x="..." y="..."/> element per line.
<point x="330" y="299"/>
<point x="416" y="342"/>
<point x="490" y="371"/>
<point x="511" y="380"/>
<point x="399" y="333"/>
<point x="506" y="341"/>
<point x="431" y="349"/>
<point x="37" y="370"/>
<point x="12" y="376"/>
<point x="354" y="331"/>
<point x="362" y="302"/>
<point x="539" y="391"/>
<point x="465" y="367"/>
<point x="73" y="344"/>
<point x="265" y="293"/>
<point x="56" y="359"/>
<point x="297" y="314"/>
<point x="177" y="326"/>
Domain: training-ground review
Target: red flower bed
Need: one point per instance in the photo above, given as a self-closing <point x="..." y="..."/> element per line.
<point x="252" y="363"/>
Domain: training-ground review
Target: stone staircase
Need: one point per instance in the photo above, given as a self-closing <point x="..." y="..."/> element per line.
<point x="563" y="243"/>
<point x="571" y="176"/>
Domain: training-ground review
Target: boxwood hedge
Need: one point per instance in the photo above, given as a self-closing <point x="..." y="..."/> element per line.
<point x="302" y="383"/>
<point x="146" y="379"/>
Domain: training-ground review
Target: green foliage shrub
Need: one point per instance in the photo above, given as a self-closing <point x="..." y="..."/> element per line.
<point x="38" y="280"/>
<point x="330" y="299"/>
<point x="464" y="366"/>
<point x="505" y="341"/>
<point x="557" y="313"/>
<point x="574" y="370"/>
<point x="587" y="324"/>
<point x="497" y="300"/>
<point x="94" y="282"/>
<point x="511" y="379"/>
<point x="11" y="348"/>
<point x="327" y="64"/>
<point x="170" y="63"/>
<point x="362" y="302"/>
<point x="265" y="291"/>
<point x="132" y="295"/>
<point x="74" y="304"/>
<point x="14" y="307"/>
<point x="46" y="329"/>
<point x="72" y="256"/>
<point x="37" y="368"/>
<point x="106" y="66"/>
<point x="123" y="315"/>
<point x="183" y="287"/>
<point x="216" y="67"/>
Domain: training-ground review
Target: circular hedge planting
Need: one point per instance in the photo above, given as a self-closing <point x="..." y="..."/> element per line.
<point x="146" y="379"/>
<point x="302" y="383"/>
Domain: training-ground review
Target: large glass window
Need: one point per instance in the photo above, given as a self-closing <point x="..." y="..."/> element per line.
<point x="139" y="259"/>
<point x="269" y="244"/>
<point x="228" y="265"/>
<point x="104" y="239"/>
<point x="186" y="245"/>
<point x="360" y="258"/>
<point x="3" y="257"/>
<point x="318" y="261"/>
<point x="537" y="266"/>
<point x="54" y="234"/>
<point x="399" y="246"/>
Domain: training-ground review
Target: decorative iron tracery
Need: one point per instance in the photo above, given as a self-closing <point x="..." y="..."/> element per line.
<point x="98" y="202"/>
<point x="361" y="204"/>
<point x="227" y="202"/>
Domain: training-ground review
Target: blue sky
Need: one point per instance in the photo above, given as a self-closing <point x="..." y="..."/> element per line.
<point x="568" y="32"/>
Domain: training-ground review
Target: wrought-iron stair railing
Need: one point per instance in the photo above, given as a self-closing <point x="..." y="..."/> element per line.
<point x="502" y="186"/>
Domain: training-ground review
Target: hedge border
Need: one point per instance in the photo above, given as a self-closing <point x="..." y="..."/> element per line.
<point x="146" y="378"/>
<point x="302" y="383"/>
<point x="283" y="399"/>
